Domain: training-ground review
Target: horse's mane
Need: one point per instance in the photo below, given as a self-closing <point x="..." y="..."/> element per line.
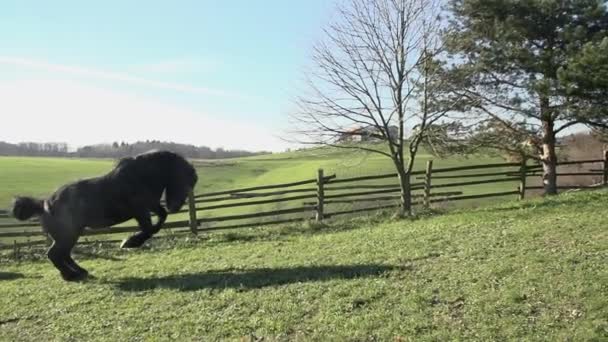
<point x="151" y="159"/>
<point x="122" y="162"/>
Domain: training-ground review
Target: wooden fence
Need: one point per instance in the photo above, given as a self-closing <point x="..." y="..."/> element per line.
<point x="319" y="198"/>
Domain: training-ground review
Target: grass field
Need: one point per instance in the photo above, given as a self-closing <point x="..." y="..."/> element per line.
<point x="532" y="270"/>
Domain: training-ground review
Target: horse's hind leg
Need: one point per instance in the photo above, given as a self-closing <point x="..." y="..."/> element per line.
<point x="60" y="251"/>
<point x="147" y="230"/>
<point x="59" y="254"/>
<point x="73" y="265"/>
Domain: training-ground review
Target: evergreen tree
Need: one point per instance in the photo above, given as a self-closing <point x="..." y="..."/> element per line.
<point x="531" y="69"/>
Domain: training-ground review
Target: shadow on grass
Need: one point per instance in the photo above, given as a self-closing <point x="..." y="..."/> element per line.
<point x="253" y="278"/>
<point x="97" y="254"/>
<point x="536" y="204"/>
<point x="304" y="228"/>
<point x="10" y="276"/>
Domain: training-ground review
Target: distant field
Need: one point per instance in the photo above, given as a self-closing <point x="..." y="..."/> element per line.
<point x="41" y="176"/>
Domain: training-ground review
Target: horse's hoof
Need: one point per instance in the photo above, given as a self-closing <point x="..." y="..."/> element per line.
<point x="126" y="243"/>
<point x="75" y="276"/>
<point x="131" y="243"/>
<point x="77" y="269"/>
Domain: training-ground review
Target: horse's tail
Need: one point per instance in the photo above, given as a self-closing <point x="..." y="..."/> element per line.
<point x="26" y="207"/>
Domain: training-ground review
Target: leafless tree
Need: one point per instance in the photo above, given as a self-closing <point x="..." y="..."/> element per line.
<point x="373" y="76"/>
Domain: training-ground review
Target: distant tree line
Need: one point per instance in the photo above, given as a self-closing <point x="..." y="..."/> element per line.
<point x="118" y="150"/>
<point x="34" y="149"/>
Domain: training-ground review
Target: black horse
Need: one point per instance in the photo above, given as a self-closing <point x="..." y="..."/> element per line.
<point x="133" y="189"/>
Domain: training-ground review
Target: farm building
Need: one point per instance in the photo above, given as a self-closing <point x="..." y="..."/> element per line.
<point x="366" y="134"/>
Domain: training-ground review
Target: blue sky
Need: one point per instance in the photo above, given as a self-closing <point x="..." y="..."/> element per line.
<point x="215" y="73"/>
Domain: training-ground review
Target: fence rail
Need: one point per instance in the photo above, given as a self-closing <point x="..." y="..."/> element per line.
<point x="316" y="202"/>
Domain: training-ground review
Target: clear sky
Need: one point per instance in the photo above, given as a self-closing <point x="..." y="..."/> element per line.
<point x="219" y="73"/>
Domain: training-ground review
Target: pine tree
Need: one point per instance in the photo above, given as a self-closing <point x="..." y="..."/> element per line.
<point x="534" y="67"/>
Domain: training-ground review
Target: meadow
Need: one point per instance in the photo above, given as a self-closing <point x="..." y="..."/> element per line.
<point x="495" y="269"/>
<point x="530" y="270"/>
<point x="40" y="176"/>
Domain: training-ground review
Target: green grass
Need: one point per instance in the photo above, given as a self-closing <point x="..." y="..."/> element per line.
<point x="532" y="270"/>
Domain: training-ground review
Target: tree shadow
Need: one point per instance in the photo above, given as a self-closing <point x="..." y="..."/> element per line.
<point x="10" y="276"/>
<point x="253" y="278"/>
<point x="97" y="254"/>
<point x="82" y="252"/>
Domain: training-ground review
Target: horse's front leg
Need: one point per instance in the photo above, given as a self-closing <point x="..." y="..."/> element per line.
<point x="146" y="232"/>
<point x="161" y="214"/>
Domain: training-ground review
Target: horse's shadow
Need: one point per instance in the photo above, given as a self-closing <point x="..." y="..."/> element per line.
<point x="253" y="278"/>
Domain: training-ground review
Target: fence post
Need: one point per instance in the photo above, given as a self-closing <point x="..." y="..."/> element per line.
<point x="320" y="195"/>
<point x="427" y="184"/>
<point x="192" y="213"/>
<point x="523" y="170"/>
<point x="605" y="180"/>
<point x="15" y="250"/>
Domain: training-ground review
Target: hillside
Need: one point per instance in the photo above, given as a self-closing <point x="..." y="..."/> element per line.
<point x="532" y="270"/>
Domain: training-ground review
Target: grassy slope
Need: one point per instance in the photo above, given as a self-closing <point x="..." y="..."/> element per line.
<point x="534" y="270"/>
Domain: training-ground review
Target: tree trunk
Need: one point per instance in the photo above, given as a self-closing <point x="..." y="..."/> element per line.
<point x="405" y="208"/>
<point x="549" y="159"/>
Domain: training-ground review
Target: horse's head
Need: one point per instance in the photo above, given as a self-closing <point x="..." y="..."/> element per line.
<point x="182" y="179"/>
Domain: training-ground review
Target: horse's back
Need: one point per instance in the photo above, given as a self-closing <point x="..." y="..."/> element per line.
<point x="135" y="185"/>
<point x="93" y="202"/>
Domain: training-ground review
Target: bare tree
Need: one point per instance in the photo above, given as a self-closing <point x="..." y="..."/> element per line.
<point x="373" y="77"/>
